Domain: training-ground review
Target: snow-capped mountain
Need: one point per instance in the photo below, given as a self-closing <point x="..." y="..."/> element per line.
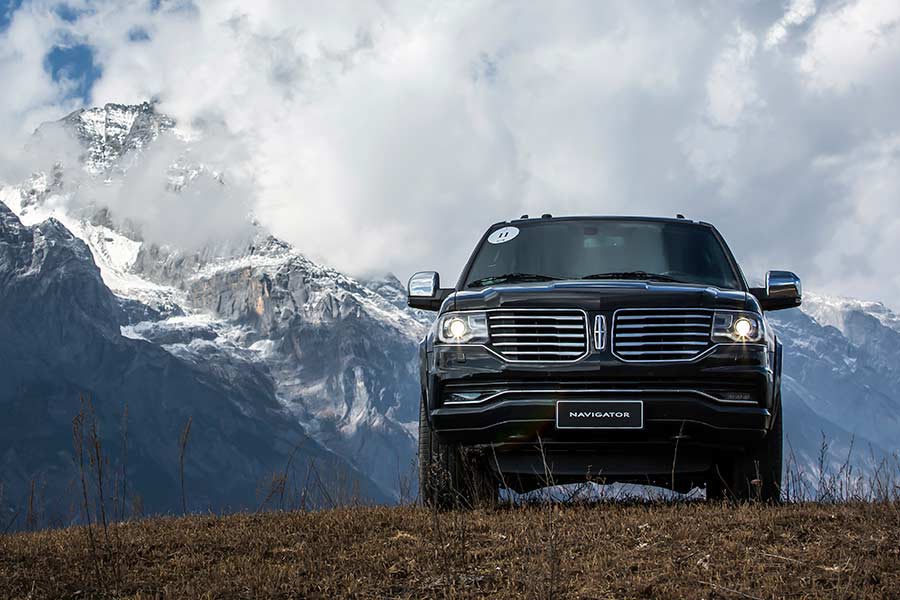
<point x="330" y="357"/>
<point x="61" y="342"/>
<point x="108" y="134"/>
<point x="841" y="382"/>
<point x="336" y="352"/>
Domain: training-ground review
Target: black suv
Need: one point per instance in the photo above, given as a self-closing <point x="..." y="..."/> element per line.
<point x="612" y="349"/>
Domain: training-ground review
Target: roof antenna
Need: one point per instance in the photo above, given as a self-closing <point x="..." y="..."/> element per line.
<point x="679" y="216"/>
<point x="524" y="217"/>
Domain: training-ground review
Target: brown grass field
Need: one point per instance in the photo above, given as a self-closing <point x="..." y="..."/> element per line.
<point x="606" y="550"/>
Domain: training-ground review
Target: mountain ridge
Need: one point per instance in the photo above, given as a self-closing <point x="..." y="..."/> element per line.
<point x="62" y="353"/>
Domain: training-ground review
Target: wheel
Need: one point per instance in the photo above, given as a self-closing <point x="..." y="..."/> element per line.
<point x="449" y="476"/>
<point x="755" y="475"/>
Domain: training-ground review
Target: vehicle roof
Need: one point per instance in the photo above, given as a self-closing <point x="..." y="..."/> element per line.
<point x="603" y="218"/>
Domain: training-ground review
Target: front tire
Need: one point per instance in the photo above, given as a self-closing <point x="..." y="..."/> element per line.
<point x="754" y="475"/>
<point x="449" y="476"/>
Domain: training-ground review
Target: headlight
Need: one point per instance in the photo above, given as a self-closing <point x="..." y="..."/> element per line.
<point x="463" y="328"/>
<point x="733" y="326"/>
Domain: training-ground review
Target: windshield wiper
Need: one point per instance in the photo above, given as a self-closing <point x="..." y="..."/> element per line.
<point x="509" y="278"/>
<point x="640" y="275"/>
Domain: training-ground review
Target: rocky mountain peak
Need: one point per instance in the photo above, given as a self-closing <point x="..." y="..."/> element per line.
<point x="389" y="287"/>
<point x="8" y="220"/>
<point x="109" y="132"/>
<point x="46" y="264"/>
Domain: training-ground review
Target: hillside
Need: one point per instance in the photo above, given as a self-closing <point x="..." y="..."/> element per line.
<point x="603" y="551"/>
<point x="59" y="318"/>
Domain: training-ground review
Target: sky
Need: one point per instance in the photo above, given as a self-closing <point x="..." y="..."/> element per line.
<point x="386" y="136"/>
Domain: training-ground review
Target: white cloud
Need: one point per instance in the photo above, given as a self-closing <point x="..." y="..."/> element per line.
<point x="389" y="135"/>
<point x="731" y="87"/>
<point x="857" y="44"/>
<point x="713" y="139"/>
<point x="797" y="13"/>
<point x="29" y="96"/>
<point x="870" y="230"/>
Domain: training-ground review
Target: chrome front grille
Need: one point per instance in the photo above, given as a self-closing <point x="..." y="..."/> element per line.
<point x="661" y="335"/>
<point x="539" y="335"/>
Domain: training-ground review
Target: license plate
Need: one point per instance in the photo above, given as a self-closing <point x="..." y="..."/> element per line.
<point x="599" y="414"/>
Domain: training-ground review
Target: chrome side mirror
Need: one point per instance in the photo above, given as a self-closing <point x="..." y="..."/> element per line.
<point x="783" y="290"/>
<point x="425" y="292"/>
<point x="423" y="284"/>
<point x="783" y="284"/>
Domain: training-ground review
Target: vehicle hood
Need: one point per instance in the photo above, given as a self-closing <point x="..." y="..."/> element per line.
<point x="600" y="296"/>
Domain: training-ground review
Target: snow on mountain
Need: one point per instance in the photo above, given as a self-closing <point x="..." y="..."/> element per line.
<point x="837" y="311"/>
<point x="61" y="341"/>
<point x="114" y="253"/>
<point x="340" y="352"/>
<point x="841" y="386"/>
<point x="110" y="132"/>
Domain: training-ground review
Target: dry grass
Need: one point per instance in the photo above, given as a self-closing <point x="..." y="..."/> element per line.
<point x="608" y="550"/>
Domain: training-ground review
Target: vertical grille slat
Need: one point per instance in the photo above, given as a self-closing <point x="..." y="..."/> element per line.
<point x="661" y="335"/>
<point x="539" y="335"/>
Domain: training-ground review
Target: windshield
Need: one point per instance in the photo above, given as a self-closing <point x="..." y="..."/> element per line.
<point x="602" y="249"/>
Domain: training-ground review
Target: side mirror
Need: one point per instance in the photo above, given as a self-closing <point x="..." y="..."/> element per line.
<point x="783" y="290"/>
<point x="425" y="291"/>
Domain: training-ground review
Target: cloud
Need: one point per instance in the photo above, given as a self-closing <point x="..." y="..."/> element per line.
<point x="187" y="193"/>
<point x="870" y="177"/>
<point x="30" y="94"/>
<point x="389" y="135"/>
<point x="797" y="13"/>
<point x="731" y="87"/>
<point x="857" y="44"/>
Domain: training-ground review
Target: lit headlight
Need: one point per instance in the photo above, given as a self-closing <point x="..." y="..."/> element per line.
<point x="463" y="328"/>
<point x="743" y="327"/>
<point x="733" y="326"/>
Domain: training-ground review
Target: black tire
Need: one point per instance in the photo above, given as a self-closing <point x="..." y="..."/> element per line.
<point x="755" y="475"/>
<point x="450" y="477"/>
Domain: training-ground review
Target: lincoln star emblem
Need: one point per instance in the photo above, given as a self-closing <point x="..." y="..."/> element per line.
<point x="600" y="332"/>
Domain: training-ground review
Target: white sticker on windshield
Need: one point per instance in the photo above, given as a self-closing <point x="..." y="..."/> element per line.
<point x="503" y="235"/>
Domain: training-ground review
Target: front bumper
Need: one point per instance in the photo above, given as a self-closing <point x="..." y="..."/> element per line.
<point x="725" y="400"/>
<point x="666" y="416"/>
